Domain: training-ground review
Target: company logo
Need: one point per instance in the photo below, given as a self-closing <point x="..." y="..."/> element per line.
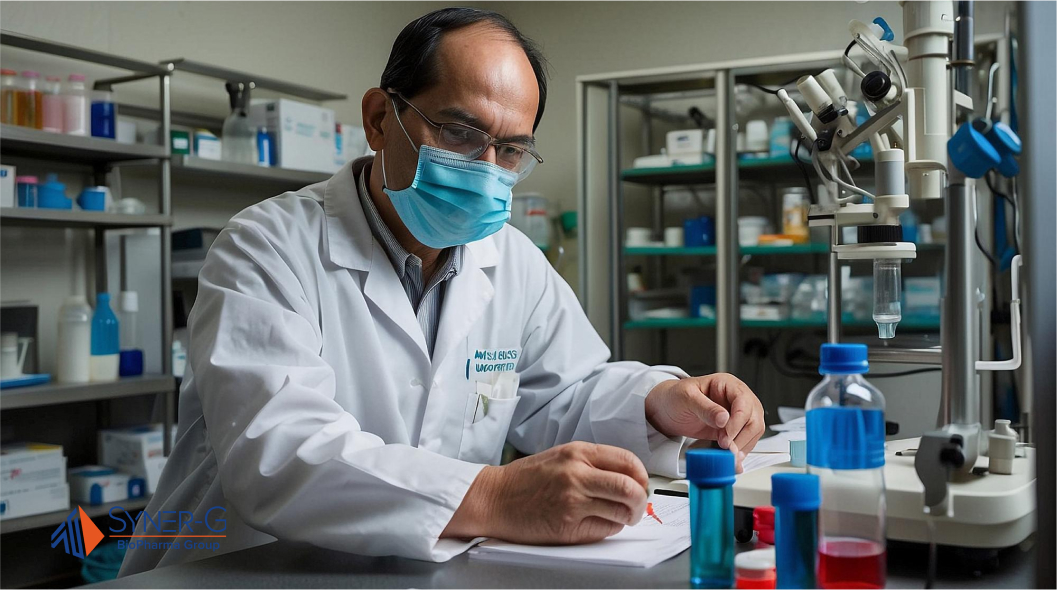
<point x="78" y="534"/>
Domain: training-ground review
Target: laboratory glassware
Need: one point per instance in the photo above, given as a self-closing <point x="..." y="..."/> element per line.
<point x="711" y="476"/>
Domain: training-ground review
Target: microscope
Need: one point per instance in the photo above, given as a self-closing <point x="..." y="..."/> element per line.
<point x="938" y="487"/>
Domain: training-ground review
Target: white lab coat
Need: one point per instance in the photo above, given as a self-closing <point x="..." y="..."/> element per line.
<point x="314" y="412"/>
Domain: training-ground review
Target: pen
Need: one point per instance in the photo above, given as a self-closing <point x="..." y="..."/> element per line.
<point x="649" y="511"/>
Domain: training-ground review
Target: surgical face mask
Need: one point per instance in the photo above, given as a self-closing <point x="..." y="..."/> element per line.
<point x="452" y="200"/>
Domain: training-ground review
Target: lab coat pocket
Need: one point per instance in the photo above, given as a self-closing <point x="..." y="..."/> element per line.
<point x="486" y="426"/>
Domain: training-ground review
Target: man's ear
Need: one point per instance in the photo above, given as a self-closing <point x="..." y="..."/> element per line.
<point x="373" y="109"/>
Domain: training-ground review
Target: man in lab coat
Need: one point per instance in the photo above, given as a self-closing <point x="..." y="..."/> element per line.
<point x="360" y="350"/>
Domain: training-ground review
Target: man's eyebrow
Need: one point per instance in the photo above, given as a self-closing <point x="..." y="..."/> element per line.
<point x="458" y="115"/>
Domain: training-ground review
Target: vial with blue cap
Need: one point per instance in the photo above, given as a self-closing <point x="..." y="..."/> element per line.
<point x="845" y="449"/>
<point x="711" y="476"/>
<point x="795" y="497"/>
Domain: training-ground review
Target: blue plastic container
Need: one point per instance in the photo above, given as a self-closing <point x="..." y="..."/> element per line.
<point x="26" y="187"/>
<point x="702" y="295"/>
<point x="711" y="476"/>
<point x="699" y="232"/>
<point x="52" y="195"/>
<point x="105" y="334"/>
<point x="104" y="119"/>
<point x="92" y="199"/>
<point x="795" y="497"/>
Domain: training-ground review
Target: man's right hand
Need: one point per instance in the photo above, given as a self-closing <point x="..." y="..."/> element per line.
<point x="573" y="493"/>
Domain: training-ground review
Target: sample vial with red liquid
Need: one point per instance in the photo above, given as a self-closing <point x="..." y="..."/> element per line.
<point x="845" y="448"/>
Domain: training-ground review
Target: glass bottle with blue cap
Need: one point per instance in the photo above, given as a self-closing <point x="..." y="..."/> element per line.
<point x="845" y="448"/>
<point x="795" y="497"/>
<point x="711" y="476"/>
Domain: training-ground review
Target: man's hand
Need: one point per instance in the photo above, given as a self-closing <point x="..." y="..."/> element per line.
<point x="716" y="407"/>
<point x="573" y="493"/>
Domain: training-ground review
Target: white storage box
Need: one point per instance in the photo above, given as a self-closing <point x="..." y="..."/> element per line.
<point x="49" y="500"/>
<point x="303" y="133"/>
<point x="351" y="143"/>
<point x="28" y="467"/>
<point x="137" y="450"/>
<point x="7" y="186"/>
<point x="95" y="484"/>
<point x="685" y="141"/>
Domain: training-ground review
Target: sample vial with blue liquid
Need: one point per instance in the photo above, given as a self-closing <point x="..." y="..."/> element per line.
<point x="845" y="449"/>
<point x="711" y="476"/>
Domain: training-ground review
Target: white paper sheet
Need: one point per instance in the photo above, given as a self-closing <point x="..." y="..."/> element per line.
<point x="644" y="545"/>
<point x="779" y="443"/>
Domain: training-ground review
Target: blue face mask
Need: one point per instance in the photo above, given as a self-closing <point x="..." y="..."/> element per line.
<point x="452" y="200"/>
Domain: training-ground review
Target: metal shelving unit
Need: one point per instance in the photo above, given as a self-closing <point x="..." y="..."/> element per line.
<point x="254" y="80"/>
<point x="907" y="325"/>
<point x="99" y="156"/>
<point x="66" y="393"/>
<point x="49" y="519"/>
<point x="194" y="167"/>
<point x="642" y="91"/>
<point x="33" y="217"/>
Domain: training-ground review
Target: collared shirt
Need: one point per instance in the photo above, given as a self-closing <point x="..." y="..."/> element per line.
<point x="426" y="298"/>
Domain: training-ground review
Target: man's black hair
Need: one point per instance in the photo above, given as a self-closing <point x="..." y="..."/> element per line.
<point x="412" y="66"/>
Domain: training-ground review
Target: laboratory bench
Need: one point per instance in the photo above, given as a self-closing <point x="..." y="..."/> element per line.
<point x="284" y="564"/>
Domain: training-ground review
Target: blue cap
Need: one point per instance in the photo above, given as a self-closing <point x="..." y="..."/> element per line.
<point x="841" y="437"/>
<point x="843" y="358"/>
<point x="886" y="34"/>
<point x="710" y="468"/>
<point x="797" y="491"/>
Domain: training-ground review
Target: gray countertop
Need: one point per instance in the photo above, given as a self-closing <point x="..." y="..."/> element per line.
<point x="292" y="565"/>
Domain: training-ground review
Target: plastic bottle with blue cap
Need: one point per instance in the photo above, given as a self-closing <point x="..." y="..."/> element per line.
<point x="795" y="497"/>
<point x="711" y="476"/>
<point x="845" y="449"/>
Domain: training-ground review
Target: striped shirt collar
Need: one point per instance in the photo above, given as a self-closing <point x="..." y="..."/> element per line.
<point x="401" y="259"/>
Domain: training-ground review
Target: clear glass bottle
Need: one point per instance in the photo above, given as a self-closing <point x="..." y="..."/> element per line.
<point x="29" y="104"/>
<point x="53" y="105"/>
<point x="75" y="97"/>
<point x="131" y="362"/>
<point x="845" y="448"/>
<point x="887" y="295"/>
<point x="9" y="87"/>
<point x="239" y="140"/>
<point x="711" y="476"/>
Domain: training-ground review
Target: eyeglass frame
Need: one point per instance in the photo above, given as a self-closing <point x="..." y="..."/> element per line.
<point x="492" y="141"/>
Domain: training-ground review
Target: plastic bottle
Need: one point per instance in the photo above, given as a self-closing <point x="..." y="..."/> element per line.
<point x="796" y="498"/>
<point x="711" y="476"/>
<point x="105" y="341"/>
<point x="29" y="105"/>
<point x="131" y="363"/>
<point x="845" y="448"/>
<point x="239" y="141"/>
<point x="8" y="96"/>
<point x="75" y="119"/>
<point x="763" y="524"/>
<point x="53" y="105"/>
<point x="27" y="188"/>
<point x="104" y="115"/>
<point x="75" y="341"/>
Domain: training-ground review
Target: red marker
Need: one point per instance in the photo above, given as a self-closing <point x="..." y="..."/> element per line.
<point x="649" y="511"/>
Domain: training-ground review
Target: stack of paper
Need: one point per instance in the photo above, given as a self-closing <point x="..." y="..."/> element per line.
<point x="644" y="545"/>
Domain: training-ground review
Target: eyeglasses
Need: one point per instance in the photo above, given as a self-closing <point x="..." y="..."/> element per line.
<point x="471" y="142"/>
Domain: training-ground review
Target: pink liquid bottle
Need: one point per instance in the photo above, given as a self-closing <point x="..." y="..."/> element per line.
<point x="54" y="105"/>
<point x="845" y="448"/>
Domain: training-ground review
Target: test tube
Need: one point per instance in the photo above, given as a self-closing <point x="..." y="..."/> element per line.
<point x="887" y="309"/>
<point x="711" y="476"/>
<point x="796" y="499"/>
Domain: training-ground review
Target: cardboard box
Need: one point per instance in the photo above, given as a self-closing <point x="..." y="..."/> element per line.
<point x="95" y="484"/>
<point x="351" y="143"/>
<point x="21" y="460"/>
<point x="50" y="500"/>
<point x="17" y="481"/>
<point x="137" y="450"/>
<point x="303" y="133"/>
<point x="7" y="186"/>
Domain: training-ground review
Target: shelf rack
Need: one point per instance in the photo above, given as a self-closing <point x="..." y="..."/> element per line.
<point x="100" y="155"/>
<point x="49" y="519"/>
<point x="195" y="167"/>
<point x="602" y="184"/>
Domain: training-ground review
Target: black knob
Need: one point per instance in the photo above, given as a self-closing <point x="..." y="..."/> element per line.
<point x="952" y="455"/>
<point x="875" y="85"/>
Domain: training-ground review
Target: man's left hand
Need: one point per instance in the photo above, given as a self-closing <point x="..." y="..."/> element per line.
<point x="716" y="407"/>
